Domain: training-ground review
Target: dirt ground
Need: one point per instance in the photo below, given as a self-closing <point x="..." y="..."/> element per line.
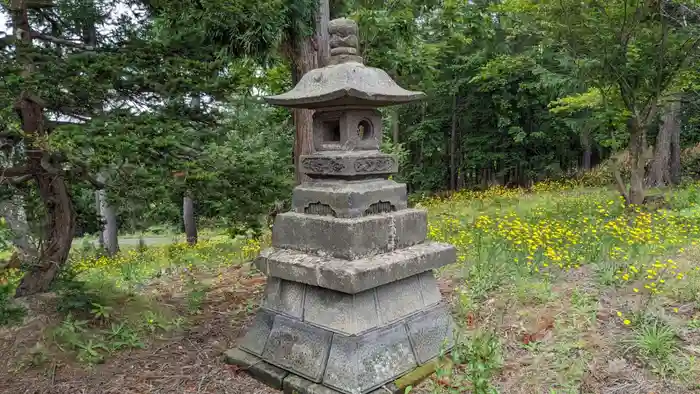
<point x="545" y="343"/>
<point x="189" y="362"/>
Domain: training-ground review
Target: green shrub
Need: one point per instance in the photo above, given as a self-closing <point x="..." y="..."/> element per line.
<point x="10" y="313"/>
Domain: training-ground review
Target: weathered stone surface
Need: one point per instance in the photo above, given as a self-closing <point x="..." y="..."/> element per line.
<point x="345" y="81"/>
<point x="399" y="299"/>
<point x="429" y="288"/>
<point x="349" y="164"/>
<point x="345" y="84"/>
<point x="262" y="371"/>
<point x="431" y="332"/>
<point x="297" y="385"/>
<point x="417" y="375"/>
<point x="348" y="199"/>
<point x="350" y="238"/>
<point x="298" y="347"/>
<point x="258" y="332"/>
<point x="358" y="275"/>
<point x="395" y="325"/>
<point x="359" y="364"/>
<point x="348" y="314"/>
<point x="284" y="297"/>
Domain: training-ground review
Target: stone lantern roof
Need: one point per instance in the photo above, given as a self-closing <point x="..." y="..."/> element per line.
<point x="346" y="81"/>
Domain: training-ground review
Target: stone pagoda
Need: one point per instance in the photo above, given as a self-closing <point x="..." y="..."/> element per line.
<point x="351" y="303"/>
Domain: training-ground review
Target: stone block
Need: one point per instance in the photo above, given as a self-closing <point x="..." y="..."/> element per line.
<point x="360" y="364"/>
<point x="431" y="332"/>
<point x="349" y="164"/>
<point x="284" y="297"/>
<point x="348" y="314"/>
<point x="297" y="385"/>
<point x="350" y="238"/>
<point x="259" y="331"/>
<point x="298" y="347"/>
<point x="260" y="370"/>
<point x="398" y="299"/>
<point x="429" y="288"/>
<point x="357" y="275"/>
<point x="348" y="199"/>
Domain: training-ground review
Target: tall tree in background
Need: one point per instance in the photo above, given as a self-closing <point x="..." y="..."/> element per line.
<point x="632" y="51"/>
<point x="306" y="49"/>
<point x="41" y="166"/>
<point x="90" y="99"/>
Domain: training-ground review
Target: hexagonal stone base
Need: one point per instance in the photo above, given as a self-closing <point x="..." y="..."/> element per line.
<point x="346" y="314"/>
<point x="293" y="384"/>
<point x="348" y="364"/>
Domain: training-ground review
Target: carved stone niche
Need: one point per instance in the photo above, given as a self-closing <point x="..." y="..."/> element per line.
<point x="353" y="129"/>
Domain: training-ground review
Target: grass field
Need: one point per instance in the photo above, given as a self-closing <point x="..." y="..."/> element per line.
<point x="558" y="289"/>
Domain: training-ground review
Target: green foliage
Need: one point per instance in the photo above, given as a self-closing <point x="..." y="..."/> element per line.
<point x="78" y="299"/>
<point x="482" y="356"/>
<point x="10" y="313"/>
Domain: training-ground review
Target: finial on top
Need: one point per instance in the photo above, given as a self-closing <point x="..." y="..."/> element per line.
<point x="345" y="81"/>
<point x="343" y="41"/>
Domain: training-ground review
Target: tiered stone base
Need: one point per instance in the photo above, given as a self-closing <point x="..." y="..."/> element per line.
<point x="312" y="340"/>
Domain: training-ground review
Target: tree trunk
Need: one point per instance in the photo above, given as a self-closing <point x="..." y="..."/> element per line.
<point x="98" y="207"/>
<point x="660" y="169"/>
<point x="307" y="54"/>
<point x="59" y="228"/>
<point x="453" y="145"/>
<point x="395" y="127"/>
<point x="587" y="149"/>
<point x="109" y="236"/>
<point x="322" y="36"/>
<point x="304" y="61"/>
<point x="188" y="219"/>
<point x="638" y="158"/>
<point x="675" y="171"/>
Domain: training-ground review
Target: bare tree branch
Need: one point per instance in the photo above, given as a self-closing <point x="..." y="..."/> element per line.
<point x="55" y="123"/>
<point x="15" y="181"/>
<point x="14" y="172"/>
<point x="61" y="41"/>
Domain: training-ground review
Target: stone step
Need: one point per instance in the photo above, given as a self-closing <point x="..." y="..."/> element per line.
<point x="350" y="238"/>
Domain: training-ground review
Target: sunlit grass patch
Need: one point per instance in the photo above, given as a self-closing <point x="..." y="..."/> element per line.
<point x="102" y="305"/>
<point x="519" y="248"/>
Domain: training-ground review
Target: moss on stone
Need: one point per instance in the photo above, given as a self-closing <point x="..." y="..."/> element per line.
<point x="419" y="374"/>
